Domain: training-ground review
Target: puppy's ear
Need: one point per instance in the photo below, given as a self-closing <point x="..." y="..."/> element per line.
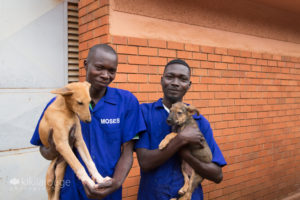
<point x="87" y="84"/>
<point x="63" y="91"/>
<point x="192" y="110"/>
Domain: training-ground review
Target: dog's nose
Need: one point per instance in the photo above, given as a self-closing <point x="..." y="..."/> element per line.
<point x="169" y="121"/>
<point x="87" y="121"/>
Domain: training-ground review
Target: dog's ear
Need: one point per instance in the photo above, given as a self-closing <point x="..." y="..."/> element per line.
<point x="87" y="83"/>
<point x="63" y="91"/>
<point x="192" y="110"/>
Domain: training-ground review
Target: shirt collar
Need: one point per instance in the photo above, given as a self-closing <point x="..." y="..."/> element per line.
<point x="159" y="104"/>
<point x="110" y="96"/>
<point x="166" y="108"/>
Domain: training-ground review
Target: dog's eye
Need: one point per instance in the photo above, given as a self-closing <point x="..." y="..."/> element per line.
<point x="79" y="102"/>
<point x="179" y="113"/>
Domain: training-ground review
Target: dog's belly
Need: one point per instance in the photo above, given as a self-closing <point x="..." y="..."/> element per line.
<point x="59" y="123"/>
<point x="44" y="132"/>
<point x="204" y="154"/>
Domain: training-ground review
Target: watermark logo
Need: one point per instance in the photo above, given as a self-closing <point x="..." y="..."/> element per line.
<point x="14" y="181"/>
<point x="29" y="183"/>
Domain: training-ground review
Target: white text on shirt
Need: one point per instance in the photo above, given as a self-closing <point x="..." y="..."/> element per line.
<point x="110" y="121"/>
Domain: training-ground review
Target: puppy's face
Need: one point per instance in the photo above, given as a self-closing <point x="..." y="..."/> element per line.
<point x="180" y="113"/>
<point x="77" y="97"/>
<point x="80" y="101"/>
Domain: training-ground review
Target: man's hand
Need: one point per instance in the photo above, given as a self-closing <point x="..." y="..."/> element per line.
<point x="210" y="171"/>
<point x="190" y="135"/>
<point x="102" y="190"/>
<point x="121" y="171"/>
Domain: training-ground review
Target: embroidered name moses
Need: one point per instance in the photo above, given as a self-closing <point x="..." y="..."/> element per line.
<point x="110" y="121"/>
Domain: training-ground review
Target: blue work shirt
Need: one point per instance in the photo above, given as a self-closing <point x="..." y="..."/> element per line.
<point x="164" y="182"/>
<point x="116" y="119"/>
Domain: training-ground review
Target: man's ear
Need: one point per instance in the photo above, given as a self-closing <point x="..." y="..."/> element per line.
<point x="192" y="110"/>
<point x="63" y="91"/>
<point x="190" y="84"/>
<point x="85" y="64"/>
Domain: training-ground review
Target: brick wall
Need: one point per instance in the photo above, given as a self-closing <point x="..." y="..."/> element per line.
<point x="251" y="99"/>
<point x="93" y="27"/>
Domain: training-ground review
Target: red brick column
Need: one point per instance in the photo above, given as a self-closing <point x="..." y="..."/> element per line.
<point x="93" y="27"/>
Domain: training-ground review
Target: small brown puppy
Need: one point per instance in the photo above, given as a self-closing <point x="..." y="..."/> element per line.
<point x="70" y="106"/>
<point x="181" y="116"/>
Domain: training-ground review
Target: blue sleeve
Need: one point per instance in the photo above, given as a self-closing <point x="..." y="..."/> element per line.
<point x="143" y="141"/>
<point x="134" y="123"/>
<point x="208" y="134"/>
<point x="144" y="138"/>
<point x="35" y="140"/>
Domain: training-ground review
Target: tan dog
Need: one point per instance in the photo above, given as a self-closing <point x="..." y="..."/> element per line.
<point x="181" y="116"/>
<point x="70" y="106"/>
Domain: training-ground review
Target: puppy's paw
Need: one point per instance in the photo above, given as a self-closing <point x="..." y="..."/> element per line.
<point x="183" y="190"/>
<point x="97" y="178"/>
<point x="107" y="181"/>
<point x="104" y="182"/>
<point x="163" y="144"/>
<point x="90" y="182"/>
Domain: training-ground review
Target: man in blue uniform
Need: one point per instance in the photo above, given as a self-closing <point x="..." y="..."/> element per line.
<point x="161" y="176"/>
<point x="116" y="120"/>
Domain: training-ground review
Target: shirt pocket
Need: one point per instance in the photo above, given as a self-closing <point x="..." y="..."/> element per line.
<point x="110" y="126"/>
<point x="112" y="133"/>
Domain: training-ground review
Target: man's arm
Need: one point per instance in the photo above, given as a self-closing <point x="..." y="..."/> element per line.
<point x="210" y="171"/>
<point x="121" y="171"/>
<point x="151" y="159"/>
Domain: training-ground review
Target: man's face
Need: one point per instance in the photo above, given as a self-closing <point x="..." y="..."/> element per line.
<point x="101" y="68"/>
<point x="175" y="82"/>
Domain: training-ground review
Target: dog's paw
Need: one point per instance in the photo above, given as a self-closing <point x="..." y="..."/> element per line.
<point x="162" y="145"/>
<point x="106" y="179"/>
<point x="183" y="190"/>
<point x="104" y="182"/>
<point x="90" y="182"/>
<point x="98" y="179"/>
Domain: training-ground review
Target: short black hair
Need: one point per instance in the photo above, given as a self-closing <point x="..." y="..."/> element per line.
<point x="178" y="61"/>
<point x="104" y="47"/>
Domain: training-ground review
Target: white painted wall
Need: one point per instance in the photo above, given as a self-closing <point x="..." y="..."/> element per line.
<point x="23" y="175"/>
<point x="33" y="61"/>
